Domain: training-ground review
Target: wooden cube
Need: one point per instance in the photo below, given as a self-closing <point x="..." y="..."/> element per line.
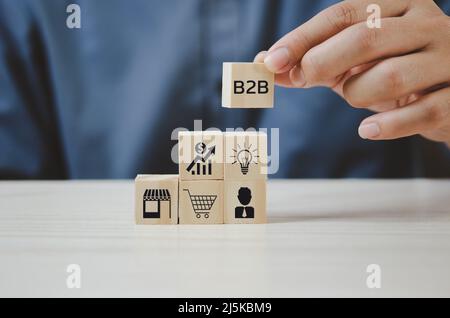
<point x="201" y="202"/>
<point x="156" y="199"/>
<point x="245" y="202"/>
<point x="200" y="155"/>
<point x="247" y="85"/>
<point x="245" y="155"/>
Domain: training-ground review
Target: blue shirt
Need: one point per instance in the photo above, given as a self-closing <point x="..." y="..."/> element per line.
<point x="102" y="101"/>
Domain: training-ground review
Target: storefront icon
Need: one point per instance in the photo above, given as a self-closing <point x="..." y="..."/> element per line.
<point x="156" y="202"/>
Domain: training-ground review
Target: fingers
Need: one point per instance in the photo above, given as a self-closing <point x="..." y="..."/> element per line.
<point x="289" y="50"/>
<point x="429" y="113"/>
<point x="338" y="85"/>
<point x="359" y="45"/>
<point x="395" y="78"/>
<point x="259" y="58"/>
<point x="280" y="79"/>
<point x="386" y="106"/>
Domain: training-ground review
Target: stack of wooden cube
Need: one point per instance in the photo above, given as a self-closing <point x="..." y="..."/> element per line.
<point x="222" y="179"/>
<point x="222" y="176"/>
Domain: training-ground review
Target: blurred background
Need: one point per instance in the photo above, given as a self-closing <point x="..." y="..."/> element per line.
<point x="103" y="100"/>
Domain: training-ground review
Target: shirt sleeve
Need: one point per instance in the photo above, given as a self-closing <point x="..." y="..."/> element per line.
<point x="29" y="142"/>
<point x="444" y="5"/>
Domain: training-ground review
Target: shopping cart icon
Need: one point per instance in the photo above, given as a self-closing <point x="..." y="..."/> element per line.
<point x="201" y="204"/>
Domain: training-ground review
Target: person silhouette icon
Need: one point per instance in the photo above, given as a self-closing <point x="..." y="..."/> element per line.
<point x="244" y="211"/>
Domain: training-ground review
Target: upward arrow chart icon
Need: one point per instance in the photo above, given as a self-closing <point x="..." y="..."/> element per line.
<point x="202" y="157"/>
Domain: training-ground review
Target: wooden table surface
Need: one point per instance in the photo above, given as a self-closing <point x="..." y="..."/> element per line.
<point x="320" y="239"/>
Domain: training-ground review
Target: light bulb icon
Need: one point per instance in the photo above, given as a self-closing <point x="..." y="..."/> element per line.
<point x="244" y="158"/>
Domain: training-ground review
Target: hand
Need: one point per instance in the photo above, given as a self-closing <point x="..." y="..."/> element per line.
<point x="401" y="70"/>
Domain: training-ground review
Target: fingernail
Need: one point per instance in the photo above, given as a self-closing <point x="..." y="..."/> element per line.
<point x="277" y="59"/>
<point x="298" y="77"/>
<point x="259" y="58"/>
<point x="369" y="131"/>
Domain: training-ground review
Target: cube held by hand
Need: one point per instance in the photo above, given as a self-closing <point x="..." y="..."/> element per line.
<point x="247" y="85"/>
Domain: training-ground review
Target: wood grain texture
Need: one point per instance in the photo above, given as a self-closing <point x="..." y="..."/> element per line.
<point x="245" y="196"/>
<point x="249" y="75"/>
<point x="150" y="207"/>
<point x="245" y="156"/>
<point x="320" y="238"/>
<point x="201" y="202"/>
<point x="201" y="155"/>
